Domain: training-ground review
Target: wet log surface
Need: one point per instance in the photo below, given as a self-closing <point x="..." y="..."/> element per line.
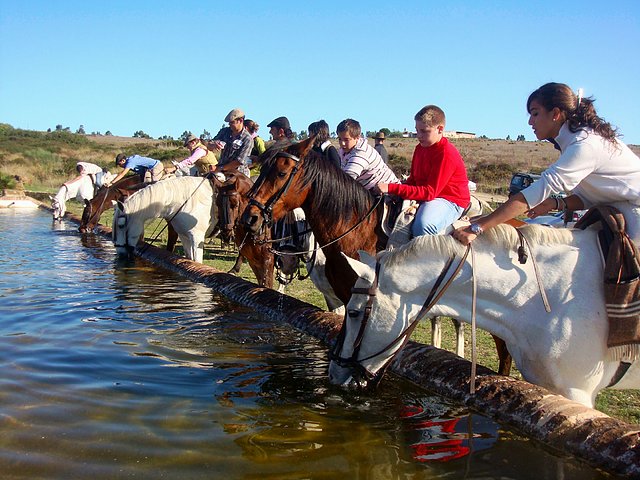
<point x="570" y="427"/>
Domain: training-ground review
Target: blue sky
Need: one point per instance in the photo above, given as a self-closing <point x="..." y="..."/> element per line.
<point x="167" y="66"/>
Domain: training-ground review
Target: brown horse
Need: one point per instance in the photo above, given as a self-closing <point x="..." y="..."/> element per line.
<point x="103" y="200"/>
<point x="343" y="215"/>
<point x="232" y="200"/>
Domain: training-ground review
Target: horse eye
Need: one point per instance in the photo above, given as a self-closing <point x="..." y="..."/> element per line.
<point x="354" y="313"/>
<point x="282" y="174"/>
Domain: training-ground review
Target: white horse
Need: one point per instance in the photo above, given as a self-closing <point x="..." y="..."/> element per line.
<point x="564" y="350"/>
<point x="188" y="202"/>
<point x="81" y="188"/>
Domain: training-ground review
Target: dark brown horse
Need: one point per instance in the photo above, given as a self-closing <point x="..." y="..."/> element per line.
<point x="232" y="200"/>
<point x="344" y="216"/>
<point x="103" y="200"/>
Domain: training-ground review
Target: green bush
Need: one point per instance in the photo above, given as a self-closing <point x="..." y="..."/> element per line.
<point x="7" y="181"/>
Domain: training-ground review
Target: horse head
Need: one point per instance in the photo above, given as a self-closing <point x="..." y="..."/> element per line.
<point x="86" y="217"/>
<point x="95" y="207"/>
<point x="280" y="187"/>
<point x="357" y="359"/>
<point x="231" y="200"/>
<point x="124" y="242"/>
<point x="58" y="204"/>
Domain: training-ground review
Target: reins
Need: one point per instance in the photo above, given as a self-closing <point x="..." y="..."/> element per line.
<point x="432" y="298"/>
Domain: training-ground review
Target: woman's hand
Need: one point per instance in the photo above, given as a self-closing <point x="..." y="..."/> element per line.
<point x="464" y="235"/>
<point x="542" y="208"/>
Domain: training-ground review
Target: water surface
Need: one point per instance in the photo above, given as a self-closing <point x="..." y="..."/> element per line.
<point x="124" y="370"/>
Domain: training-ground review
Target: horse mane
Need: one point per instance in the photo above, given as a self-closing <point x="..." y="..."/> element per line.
<point x="161" y="195"/>
<point x="334" y="191"/>
<point x="501" y="237"/>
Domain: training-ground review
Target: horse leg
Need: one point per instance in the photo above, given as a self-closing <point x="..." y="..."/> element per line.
<point x="236" y="266"/>
<point x="504" y="357"/>
<point x="436" y="332"/>
<point x="172" y="237"/>
<point x="459" y="337"/>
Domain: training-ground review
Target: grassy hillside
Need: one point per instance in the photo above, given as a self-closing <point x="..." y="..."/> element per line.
<point x="45" y="160"/>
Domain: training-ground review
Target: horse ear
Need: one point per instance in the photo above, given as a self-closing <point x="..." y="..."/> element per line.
<point x="50" y="197"/>
<point x="363" y="270"/>
<point x="304" y="146"/>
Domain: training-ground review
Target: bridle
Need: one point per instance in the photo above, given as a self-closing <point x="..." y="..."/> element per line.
<point x="126" y="246"/>
<point x="227" y="218"/>
<point x="266" y="209"/>
<point x="355" y="363"/>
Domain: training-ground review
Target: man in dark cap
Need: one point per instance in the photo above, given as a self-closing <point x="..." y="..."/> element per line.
<point x="280" y="129"/>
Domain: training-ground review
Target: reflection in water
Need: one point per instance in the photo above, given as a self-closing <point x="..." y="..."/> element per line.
<point x="120" y="369"/>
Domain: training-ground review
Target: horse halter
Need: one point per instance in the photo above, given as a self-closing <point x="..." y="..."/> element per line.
<point x="126" y="246"/>
<point x="267" y="208"/>
<point x="353" y="361"/>
<point x="226" y="210"/>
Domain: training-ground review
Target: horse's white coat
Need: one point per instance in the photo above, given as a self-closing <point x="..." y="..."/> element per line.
<point x="187" y="201"/>
<point x="80" y="189"/>
<point x="564" y="351"/>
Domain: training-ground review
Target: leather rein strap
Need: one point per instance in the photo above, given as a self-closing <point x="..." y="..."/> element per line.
<point x="434" y="295"/>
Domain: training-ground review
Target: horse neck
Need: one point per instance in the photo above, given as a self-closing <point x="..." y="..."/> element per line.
<point x="327" y="226"/>
<point x="101" y="202"/>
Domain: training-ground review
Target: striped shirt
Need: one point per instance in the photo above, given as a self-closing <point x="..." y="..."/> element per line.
<point x="366" y="166"/>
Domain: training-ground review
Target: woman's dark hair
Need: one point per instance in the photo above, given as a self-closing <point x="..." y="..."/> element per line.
<point x="120" y="157"/>
<point x="321" y="130"/>
<point x="578" y="112"/>
<point x="251" y="126"/>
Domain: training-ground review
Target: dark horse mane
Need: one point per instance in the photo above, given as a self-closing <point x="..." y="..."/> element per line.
<point x="334" y="191"/>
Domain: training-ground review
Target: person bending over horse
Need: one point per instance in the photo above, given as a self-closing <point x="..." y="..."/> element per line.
<point x="150" y="169"/>
<point x="438" y="176"/>
<point x="359" y="160"/>
<point x="94" y="172"/>
<point x="595" y="167"/>
<point x="204" y="159"/>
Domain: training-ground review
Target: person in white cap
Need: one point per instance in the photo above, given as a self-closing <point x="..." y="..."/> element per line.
<point x="235" y="142"/>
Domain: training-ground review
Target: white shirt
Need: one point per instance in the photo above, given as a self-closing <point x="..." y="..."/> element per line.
<point x="89" y="168"/>
<point x="591" y="167"/>
<point x="365" y="165"/>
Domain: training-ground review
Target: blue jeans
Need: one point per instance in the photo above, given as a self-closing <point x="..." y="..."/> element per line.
<point x="434" y="216"/>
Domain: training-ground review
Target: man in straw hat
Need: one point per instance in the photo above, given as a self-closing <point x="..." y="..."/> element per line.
<point x="380" y="148"/>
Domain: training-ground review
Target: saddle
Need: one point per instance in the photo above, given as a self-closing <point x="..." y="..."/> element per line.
<point x="399" y="215"/>
<point x="621" y="281"/>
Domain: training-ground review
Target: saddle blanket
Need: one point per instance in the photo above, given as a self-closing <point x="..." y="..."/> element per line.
<point x="621" y="281"/>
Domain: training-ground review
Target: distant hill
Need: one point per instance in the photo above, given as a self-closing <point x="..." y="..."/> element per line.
<point x="44" y="160"/>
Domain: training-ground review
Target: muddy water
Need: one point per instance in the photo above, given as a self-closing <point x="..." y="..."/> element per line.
<point x="123" y="370"/>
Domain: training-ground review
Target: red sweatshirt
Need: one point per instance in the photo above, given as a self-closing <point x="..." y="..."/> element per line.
<point x="436" y="172"/>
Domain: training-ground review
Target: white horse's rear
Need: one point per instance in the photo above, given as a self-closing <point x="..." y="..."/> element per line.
<point x="564" y="350"/>
<point x="186" y="201"/>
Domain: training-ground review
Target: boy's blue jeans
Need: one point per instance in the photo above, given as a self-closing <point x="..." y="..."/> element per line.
<point x="434" y="216"/>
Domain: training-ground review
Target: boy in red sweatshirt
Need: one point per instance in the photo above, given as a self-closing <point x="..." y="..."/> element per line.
<point x="438" y="176"/>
